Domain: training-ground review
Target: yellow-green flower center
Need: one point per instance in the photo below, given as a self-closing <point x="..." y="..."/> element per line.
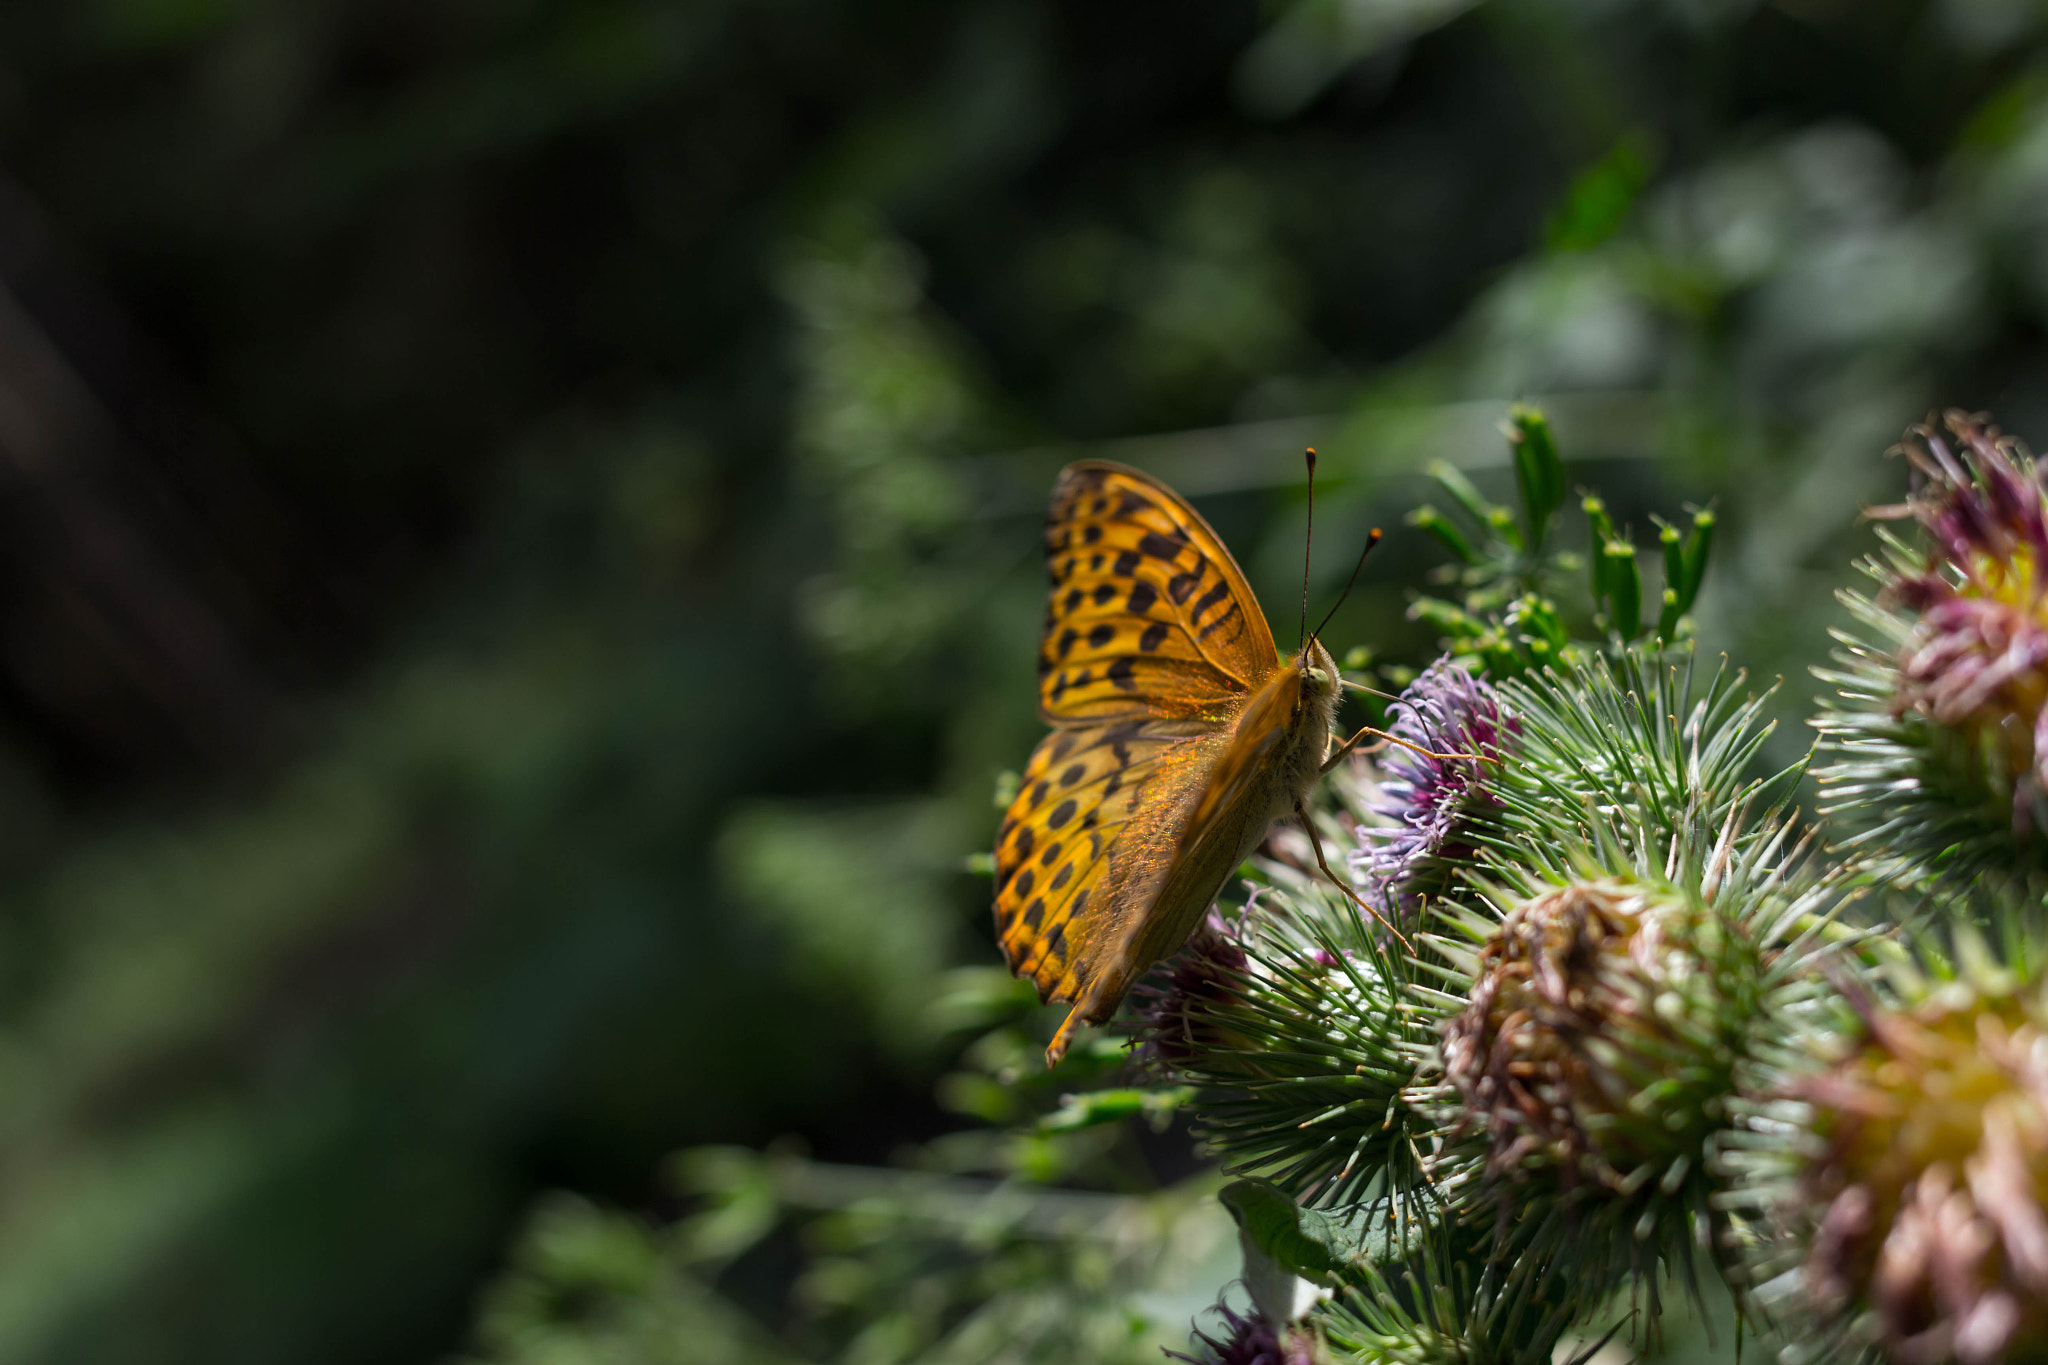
<point x="1936" y="1182"/>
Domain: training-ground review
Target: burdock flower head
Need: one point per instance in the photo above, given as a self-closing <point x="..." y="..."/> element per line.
<point x="1589" y="1070"/>
<point x="1580" y="1002"/>
<point x="1427" y="797"/>
<point x="1178" y="1003"/>
<point x="1921" y="1201"/>
<point x="1249" y="1339"/>
<point x="1942" y="722"/>
<point x="1978" y="662"/>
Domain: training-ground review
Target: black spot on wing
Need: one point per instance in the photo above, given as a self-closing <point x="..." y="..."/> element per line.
<point x="1033" y="914"/>
<point x="1103" y="592"/>
<point x="1141" y="600"/>
<point x="1024" y="842"/>
<point x="1024" y="882"/>
<point x="1182" y="586"/>
<point x="1160" y="547"/>
<point x="1120" y="674"/>
<point x="1073" y="774"/>
<point x="1126" y="564"/>
<point x="1154" y="636"/>
<point x="1210" y="599"/>
<point x="1061" y="813"/>
<point x="1091" y="533"/>
<point x="1055" y="944"/>
<point x="1101" y="635"/>
<point x="1066" y="874"/>
<point x="1052" y="851"/>
<point x="1062" y="746"/>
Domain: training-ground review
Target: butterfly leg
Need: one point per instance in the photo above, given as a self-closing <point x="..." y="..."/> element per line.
<point x="1315" y="842"/>
<point x="1348" y="745"/>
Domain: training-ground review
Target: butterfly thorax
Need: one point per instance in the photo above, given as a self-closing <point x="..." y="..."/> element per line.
<point x="1318" y="695"/>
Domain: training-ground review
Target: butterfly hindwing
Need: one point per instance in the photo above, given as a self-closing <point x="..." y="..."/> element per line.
<point x="1068" y="829"/>
<point x="1148" y="614"/>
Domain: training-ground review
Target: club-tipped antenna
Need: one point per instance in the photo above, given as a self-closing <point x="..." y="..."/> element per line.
<point x="1370" y="541"/>
<point x="1308" y="544"/>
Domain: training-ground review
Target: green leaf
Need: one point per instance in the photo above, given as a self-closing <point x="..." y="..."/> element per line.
<point x="1092" y="1108"/>
<point x="1598" y="203"/>
<point x="1308" y="1242"/>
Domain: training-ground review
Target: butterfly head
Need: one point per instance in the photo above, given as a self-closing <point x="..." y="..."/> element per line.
<point x="1320" y="683"/>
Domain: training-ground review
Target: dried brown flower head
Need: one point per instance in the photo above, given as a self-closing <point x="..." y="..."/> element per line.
<point x="1588" y="994"/>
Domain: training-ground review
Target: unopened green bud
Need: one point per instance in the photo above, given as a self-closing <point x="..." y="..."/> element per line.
<point x="1446" y="534"/>
<point x="1696" y="548"/>
<point x="1539" y="473"/>
<point x="1624" y="587"/>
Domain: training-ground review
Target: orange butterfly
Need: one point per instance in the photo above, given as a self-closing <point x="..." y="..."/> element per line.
<point x="1179" y="736"/>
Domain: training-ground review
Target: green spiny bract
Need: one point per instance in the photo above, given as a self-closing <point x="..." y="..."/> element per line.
<point x="1615" y="819"/>
<point x="1609" y="966"/>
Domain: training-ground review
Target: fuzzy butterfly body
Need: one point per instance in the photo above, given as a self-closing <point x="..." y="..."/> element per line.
<point x="1179" y="735"/>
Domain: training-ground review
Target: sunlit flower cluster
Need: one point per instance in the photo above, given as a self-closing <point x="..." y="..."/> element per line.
<point x="1930" y="1197"/>
<point x="1976" y="662"/>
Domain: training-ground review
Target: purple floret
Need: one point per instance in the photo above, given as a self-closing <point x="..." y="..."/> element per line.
<point x="1428" y="798"/>
<point x="1248" y="1339"/>
<point x="1175" y="1003"/>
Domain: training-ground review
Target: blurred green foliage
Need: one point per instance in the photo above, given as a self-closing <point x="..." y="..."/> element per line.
<point x="522" y="561"/>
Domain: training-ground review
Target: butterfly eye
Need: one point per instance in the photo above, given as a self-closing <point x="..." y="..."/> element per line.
<point x="1318" y="677"/>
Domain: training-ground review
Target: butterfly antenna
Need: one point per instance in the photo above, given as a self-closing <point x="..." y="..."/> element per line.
<point x="1307" y="547"/>
<point x="1370" y="541"/>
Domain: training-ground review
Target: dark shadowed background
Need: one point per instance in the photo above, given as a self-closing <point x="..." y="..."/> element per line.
<point x="518" y="525"/>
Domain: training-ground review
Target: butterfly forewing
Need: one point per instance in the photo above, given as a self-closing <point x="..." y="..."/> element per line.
<point x="1067" y="853"/>
<point x="1148" y="614"/>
